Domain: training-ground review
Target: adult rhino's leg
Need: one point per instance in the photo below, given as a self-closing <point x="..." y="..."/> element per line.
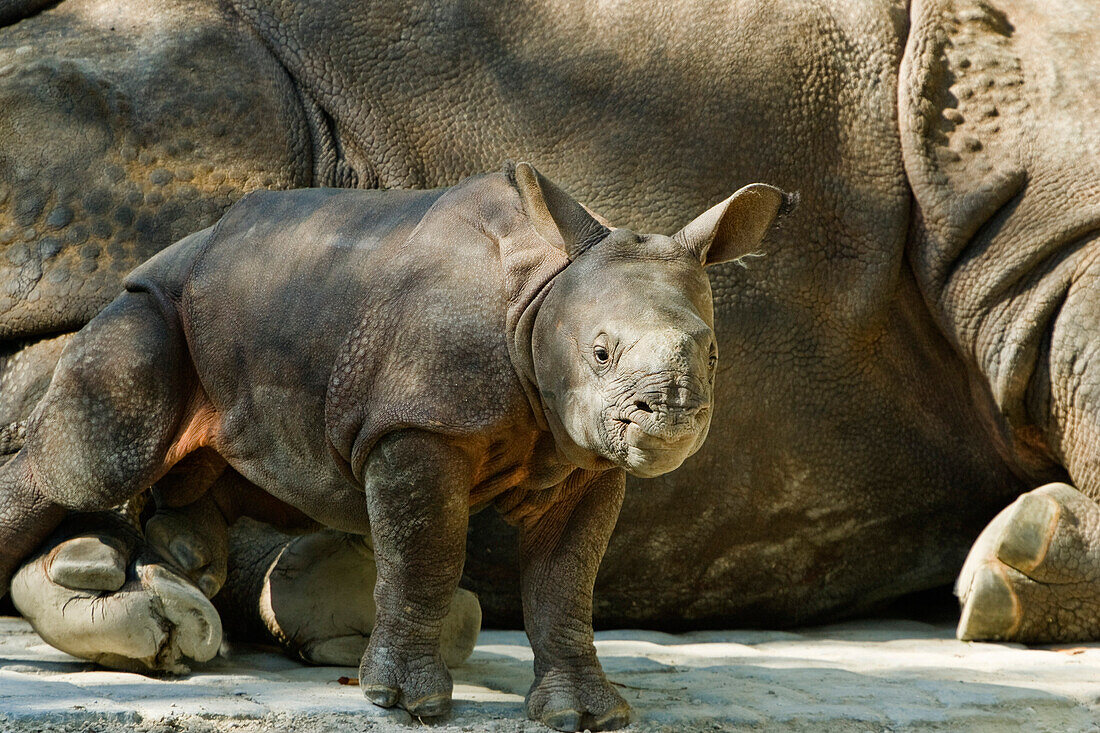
<point x="1032" y="574"/>
<point x="313" y="595"/>
<point x="100" y="435"/>
<point x="309" y="592"/>
<point x="1000" y="119"/>
<point x="96" y="591"/>
<point x="25" y="370"/>
<point x="102" y="432"/>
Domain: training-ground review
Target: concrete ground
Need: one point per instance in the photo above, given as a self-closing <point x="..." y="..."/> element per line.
<point x="871" y="675"/>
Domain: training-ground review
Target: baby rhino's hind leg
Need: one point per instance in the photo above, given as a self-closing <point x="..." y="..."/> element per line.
<point x="103" y="429"/>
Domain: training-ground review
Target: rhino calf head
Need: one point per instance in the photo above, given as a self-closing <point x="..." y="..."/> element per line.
<point x="623" y="345"/>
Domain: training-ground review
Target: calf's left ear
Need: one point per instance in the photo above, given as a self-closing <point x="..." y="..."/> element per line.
<point x="733" y="228"/>
<point x="556" y="216"/>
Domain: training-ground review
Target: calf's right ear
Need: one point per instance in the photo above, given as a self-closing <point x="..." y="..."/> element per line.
<point x="734" y="227"/>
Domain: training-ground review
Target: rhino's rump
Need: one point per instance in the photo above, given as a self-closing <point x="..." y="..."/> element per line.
<point x="289" y="286"/>
<point x="266" y="299"/>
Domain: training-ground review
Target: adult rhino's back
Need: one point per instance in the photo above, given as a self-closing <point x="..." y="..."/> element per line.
<point x="125" y="127"/>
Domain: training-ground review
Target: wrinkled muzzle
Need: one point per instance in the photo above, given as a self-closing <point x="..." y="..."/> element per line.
<point x="659" y="423"/>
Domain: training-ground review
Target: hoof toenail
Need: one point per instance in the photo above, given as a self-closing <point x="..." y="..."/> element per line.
<point x="1026" y="537"/>
<point x="992" y="611"/>
<point x="566" y="720"/>
<point x="380" y="695"/>
<point x="431" y="706"/>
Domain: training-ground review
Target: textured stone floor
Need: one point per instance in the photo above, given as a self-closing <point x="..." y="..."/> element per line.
<point x="873" y="675"/>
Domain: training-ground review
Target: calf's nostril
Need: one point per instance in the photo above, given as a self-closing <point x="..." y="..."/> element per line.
<point x="643" y="406"/>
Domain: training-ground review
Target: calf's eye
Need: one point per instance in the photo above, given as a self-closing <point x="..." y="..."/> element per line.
<point x="601" y="355"/>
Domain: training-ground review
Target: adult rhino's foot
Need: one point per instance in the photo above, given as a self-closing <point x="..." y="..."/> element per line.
<point x="96" y="592"/>
<point x="313" y="594"/>
<point x="1033" y="575"/>
<point x="195" y="540"/>
<point x="571" y="701"/>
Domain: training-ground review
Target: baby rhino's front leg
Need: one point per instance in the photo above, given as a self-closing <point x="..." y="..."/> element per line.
<point x="417" y="488"/>
<point x="561" y="552"/>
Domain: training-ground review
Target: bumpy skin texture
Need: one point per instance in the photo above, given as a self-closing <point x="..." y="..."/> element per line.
<point x="133" y="159"/>
<point x="914" y="355"/>
<point x="1000" y="133"/>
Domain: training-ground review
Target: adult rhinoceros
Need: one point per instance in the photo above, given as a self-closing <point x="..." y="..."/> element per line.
<point x="916" y="349"/>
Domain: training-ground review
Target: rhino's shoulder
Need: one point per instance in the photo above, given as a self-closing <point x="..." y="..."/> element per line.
<point x="431" y="349"/>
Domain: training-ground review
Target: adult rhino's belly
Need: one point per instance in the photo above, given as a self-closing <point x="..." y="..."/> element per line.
<point x="697" y="553"/>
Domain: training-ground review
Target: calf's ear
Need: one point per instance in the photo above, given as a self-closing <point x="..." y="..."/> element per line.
<point x="734" y="228"/>
<point x="556" y="216"/>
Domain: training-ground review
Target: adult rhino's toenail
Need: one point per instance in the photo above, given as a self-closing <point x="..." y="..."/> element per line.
<point x="186" y="555"/>
<point x="87" y="563"/>
<point x="992" y="611"/>
<point x="1027" y="535"/>
<point x="209" y="585"/>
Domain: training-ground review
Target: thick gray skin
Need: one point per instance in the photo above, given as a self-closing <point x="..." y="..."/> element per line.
<point x="323" y="344"/>
<point x="915" y="355"/>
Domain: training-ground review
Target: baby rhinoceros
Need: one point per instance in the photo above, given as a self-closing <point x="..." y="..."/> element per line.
<point x="389" y="361"/>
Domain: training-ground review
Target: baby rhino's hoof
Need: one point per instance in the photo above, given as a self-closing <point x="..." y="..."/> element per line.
<point x="575" y="703"/>
<point x="419" y="684"/>
<point x="1031" y="575"/>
